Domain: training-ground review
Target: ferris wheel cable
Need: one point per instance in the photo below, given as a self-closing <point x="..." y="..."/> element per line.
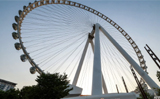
<point x="45" y="53"/>
<point x="117" y="53"/>
<point x="108" y="78"/>
<point x="49" y="67"/>
<point x="50" y="36"/>
<point x="67" y="12"/>
<point x="76" y="10"/>
<point x="46" y="10"/>
<point x="57" y="36"/>
<point x="57" y="44"/>
<point x="84" y="68"/>
<point x="81" y="14"/>
<point x="32" y="19"/>
<point x="44" y="31"/>
<point x="74" y="67"/>
<point x="113" y="77"/>
<point x="88" y="66"/>
<point x="61" y="50"/>
<point x="44" y="20"/>
<point x="123" y="69"/>
<point x="79" y="10"/>
<point x="44" y="28"/>
<point x="57" y="32"/>
<point x="83" y="75"/>
<point x="72" y="61"/>
<point x="53" y="18"/>
<point x="44" y="39"/>
<point x="56" y="53"/>
<point x="69" y="56"/>
<point x="129" y="78"/>
<point x="48" y="28"/>
<point x="119" y="76"/>
<point x="116" y="79"/>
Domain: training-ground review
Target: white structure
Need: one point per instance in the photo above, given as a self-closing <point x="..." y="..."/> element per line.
<point x="108" y="96"/>
<point x="75" y="92"/>
<point x="6" y="85"/>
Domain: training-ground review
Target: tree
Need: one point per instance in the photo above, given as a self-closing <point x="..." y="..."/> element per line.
<point x="158" y="89"/>
<point x="52" y="86"/>
<point x="29" y="92"/>
<point x="2" y="94"/>
<point x="49" y="86"/>
<point x="10" y="94"/>
<point x="147" y="94"/>
<point x="158" y="75"/>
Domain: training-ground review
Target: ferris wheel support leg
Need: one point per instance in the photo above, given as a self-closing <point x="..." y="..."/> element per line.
<point x="104" y="85"/>
<point x="80" y="64"/>
<point x="143" y="74"/>
<point x="103" y="82"/>
<point x="97" y="75"/>
<point x="92" y="45"/>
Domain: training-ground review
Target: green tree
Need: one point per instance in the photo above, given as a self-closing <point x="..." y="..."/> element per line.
<point x="52" y="86"/>
<point x="49" y="86"/>
<point x="2" y="94"/>
<point x="10" y="94"/>
<point x="158" y="75"/>
<point x="29" y="92"/>
<point x="148" y="96"/>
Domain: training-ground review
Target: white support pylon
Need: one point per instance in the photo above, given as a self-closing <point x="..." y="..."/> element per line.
<point x="143" y="74"/>
<point x="103" y="81"/>
<point x="104" y="85"/>
<point x="80" y="64"/>
<point x="97" y="74"/>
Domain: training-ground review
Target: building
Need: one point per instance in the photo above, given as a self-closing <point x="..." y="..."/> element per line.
<point x="6" y="85"/>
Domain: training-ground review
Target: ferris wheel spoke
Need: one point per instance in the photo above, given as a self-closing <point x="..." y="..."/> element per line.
<point x="63" y="49"/>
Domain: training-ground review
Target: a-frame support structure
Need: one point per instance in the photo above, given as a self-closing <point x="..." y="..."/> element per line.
<point x="98" y="81"/>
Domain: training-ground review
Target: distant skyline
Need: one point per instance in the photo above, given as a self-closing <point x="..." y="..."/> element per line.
<point x="139" y="18"/>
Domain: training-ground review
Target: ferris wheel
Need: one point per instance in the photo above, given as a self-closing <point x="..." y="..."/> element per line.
<point x="65" y="36"/>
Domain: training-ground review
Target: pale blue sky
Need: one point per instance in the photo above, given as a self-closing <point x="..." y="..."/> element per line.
<point x="139" y="18"/>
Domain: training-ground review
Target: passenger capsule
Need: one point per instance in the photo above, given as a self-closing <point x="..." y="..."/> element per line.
<point x="16" y="18"/>
<point x="33" y="70"/>
<point x="24" y="7"/>
<point x="23" y="58"/>
<point x="14" y="25"/>
<point x="15" y="35"/>
<point x="17" y="46"/>
<point x="19" y="12"/>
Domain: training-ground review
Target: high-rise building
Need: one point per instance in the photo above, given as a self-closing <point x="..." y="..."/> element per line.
<point x="6" y="85"/>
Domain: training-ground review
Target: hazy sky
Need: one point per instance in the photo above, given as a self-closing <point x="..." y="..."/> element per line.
<point x="139" y="18"/>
